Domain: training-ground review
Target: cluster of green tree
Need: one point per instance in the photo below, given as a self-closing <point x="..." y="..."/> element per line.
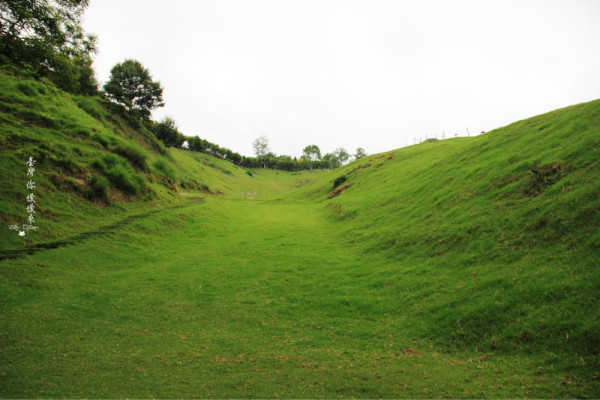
<point x="311" y="157"/>
<point x="287" y="163"/>
<point x="339" y="157"/>
<point x="308" y="160"/>
<point x="45" y="38"/>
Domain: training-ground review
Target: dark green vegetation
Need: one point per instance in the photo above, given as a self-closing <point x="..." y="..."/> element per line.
<point x="44" y="38"/>
<point x="132" y="87"/>
<point x="461" y="268"/>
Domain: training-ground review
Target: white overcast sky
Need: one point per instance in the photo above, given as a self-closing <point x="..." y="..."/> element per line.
<point x="352" y="73"/>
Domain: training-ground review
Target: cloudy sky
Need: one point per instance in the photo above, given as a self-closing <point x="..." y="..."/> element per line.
<point x="352" y="73"/>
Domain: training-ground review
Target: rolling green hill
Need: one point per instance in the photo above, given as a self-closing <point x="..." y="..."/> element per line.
<point x="501" y="231"/>
<point x="461" y="268"/>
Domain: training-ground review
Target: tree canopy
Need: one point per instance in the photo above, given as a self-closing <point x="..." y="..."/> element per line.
<point x="131" y="86"/>
<point x="167" y="132"/>
<point x="45" y="37"/>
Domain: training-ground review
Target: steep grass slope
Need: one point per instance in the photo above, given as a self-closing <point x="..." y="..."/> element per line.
<point x="495" y="239"/>
<point x="93" y="166"/>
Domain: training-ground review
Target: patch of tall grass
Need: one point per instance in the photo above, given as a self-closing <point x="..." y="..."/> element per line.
<point x="38" y="118"/>
<point x="100" y="138"/>
<point x="91" y="106"/>
<point x="98" y="187"/>
<point x="135" y="154"/>
<point x="119" y="173"/>
<point x="125" y="180"/>
<point x="164" y="168"/>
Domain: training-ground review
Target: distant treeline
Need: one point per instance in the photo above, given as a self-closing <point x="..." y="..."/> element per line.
<point x="168" y="133"/>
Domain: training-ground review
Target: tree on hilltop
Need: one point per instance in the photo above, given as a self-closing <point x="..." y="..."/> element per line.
<point x="131" y="86"/>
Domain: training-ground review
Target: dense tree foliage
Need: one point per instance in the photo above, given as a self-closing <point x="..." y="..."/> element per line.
<point x="131" y="86"/>
<point x="45" y="38"/>
<point x="167" y="132"/>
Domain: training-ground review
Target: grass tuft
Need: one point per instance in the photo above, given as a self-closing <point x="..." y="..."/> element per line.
<point x="98" y="188"/>
<point x="125" y="180"/>
<point x="136" y="155"/>
<point x="164" y="168"/>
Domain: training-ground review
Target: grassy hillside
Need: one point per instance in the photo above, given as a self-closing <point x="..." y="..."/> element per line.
<point x="494" y="239"/>
<point x="88" y="159"/>
<point x="464" y="268"/>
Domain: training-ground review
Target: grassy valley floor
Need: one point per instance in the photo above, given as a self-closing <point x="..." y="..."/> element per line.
<point x="247" y="297"/>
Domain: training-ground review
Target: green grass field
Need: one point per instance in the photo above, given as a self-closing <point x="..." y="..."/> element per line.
<point x="466" y="268"/>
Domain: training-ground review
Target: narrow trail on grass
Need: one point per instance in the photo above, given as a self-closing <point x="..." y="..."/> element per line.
<point x="34" y="248"/>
